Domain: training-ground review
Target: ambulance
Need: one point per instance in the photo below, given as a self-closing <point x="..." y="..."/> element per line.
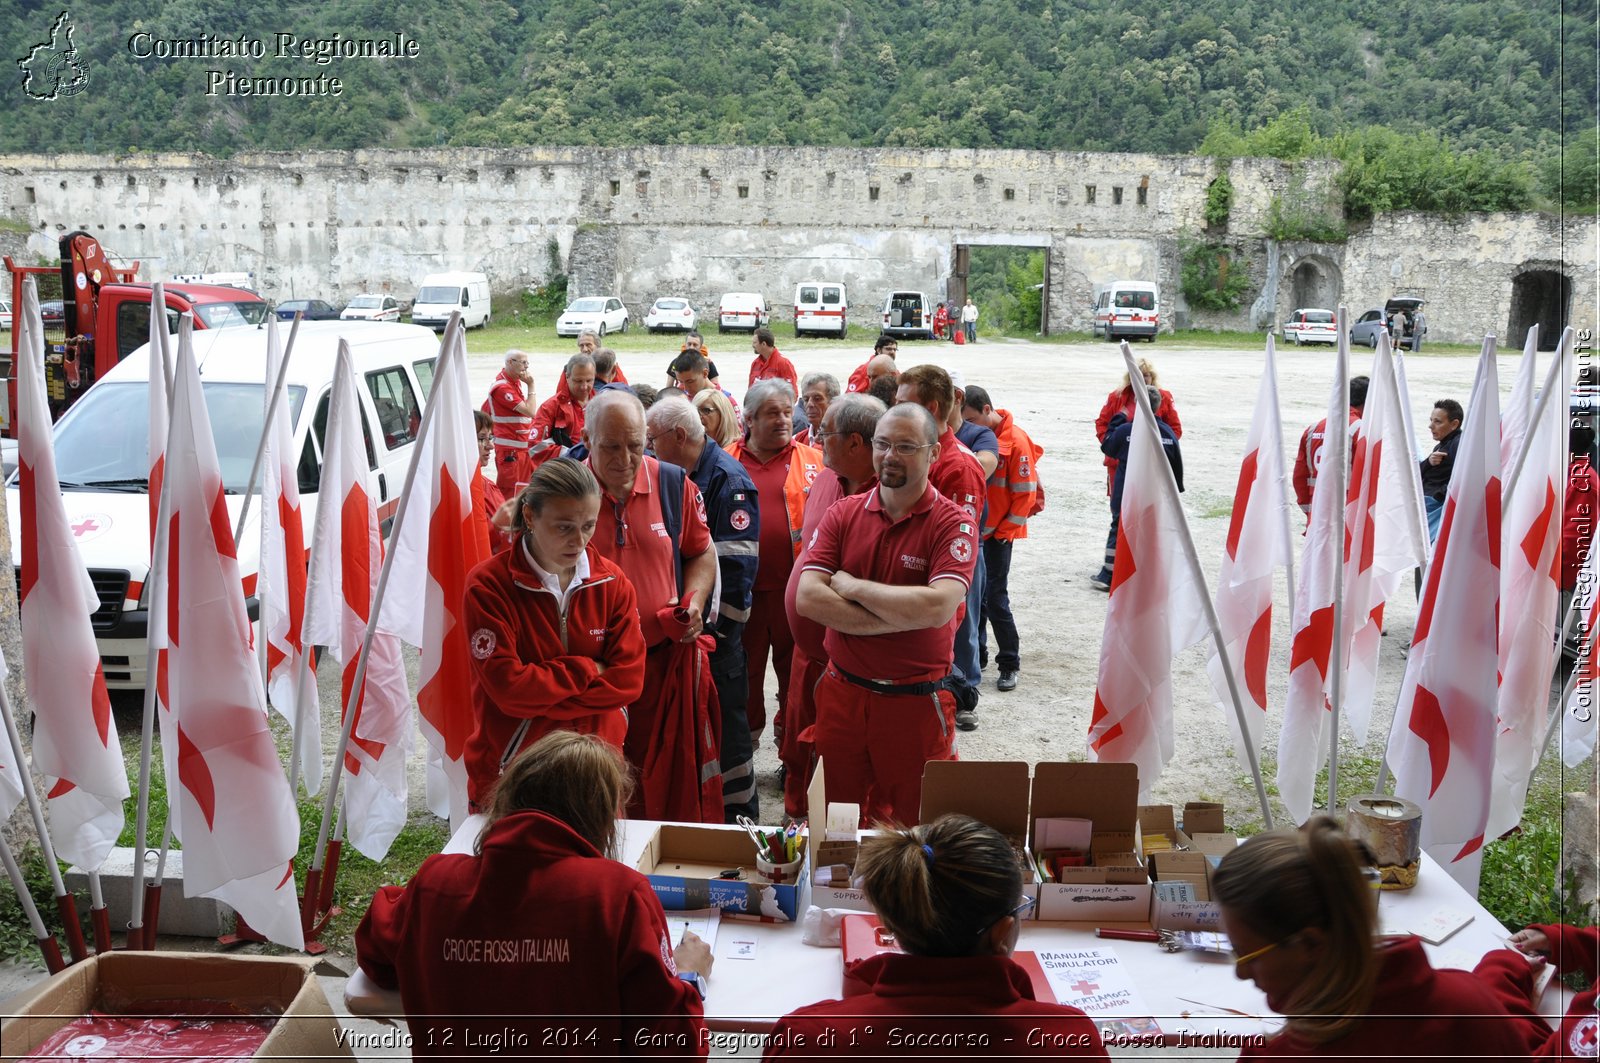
<point x="821" y="306"/>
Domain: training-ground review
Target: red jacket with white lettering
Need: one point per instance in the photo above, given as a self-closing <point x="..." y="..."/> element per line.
<point x="540" y="924"/>
<point x="1509" y="976"/>
<point x="534" y="669"/>
<point x="937" y="1007"/>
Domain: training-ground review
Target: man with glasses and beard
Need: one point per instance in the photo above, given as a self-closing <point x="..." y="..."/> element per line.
<point x="886" y="574"/>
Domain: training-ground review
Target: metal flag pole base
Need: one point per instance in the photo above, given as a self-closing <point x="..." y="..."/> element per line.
<point x="152" y="913"/>
<point x="245" y="934"/>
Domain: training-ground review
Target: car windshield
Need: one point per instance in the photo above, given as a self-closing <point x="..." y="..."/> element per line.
<point x="586" y="306"/>
<point x="670" y="304"/>
<point x="105" y="438"/>
<point x="365" y="302"/>
<point x="1320" y="317"/>
<point x="230" y="315"/>
<point x="439" y="294"/>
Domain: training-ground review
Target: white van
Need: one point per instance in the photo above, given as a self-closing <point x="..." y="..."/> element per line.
<point x="821" y="306"/>
<point x="101" y="446"/>
<point x="908" y="314"/>
<point x="1129" y="309"/>
<point x="440" y="294"/>
<point x="742" y="310"/>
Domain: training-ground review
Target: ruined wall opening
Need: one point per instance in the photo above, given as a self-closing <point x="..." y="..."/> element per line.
<point x="1542" y="297"/>
<point x="1008" y="282"/>
<point x="1316" y="282"/>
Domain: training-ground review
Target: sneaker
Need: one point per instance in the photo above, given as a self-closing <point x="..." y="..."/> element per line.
<point x="966" y="720"/>
<point x="1101" y="580"/>
<point x="1007" y="681"/>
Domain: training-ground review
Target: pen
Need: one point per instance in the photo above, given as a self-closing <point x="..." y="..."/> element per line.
<point x="1127" y="935"/>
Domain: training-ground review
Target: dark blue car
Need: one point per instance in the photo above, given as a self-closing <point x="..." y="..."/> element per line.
<point x="312" y="309"/>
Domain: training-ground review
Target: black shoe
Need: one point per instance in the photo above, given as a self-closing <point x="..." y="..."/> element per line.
<point x="1007" y="681"/>
<point x="1101" y="580"/>
<point x="966" y="720"/>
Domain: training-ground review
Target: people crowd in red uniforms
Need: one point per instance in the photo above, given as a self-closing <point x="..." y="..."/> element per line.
<point x="1303" y="919"/>
<point x="1122" y="402"/>
<point x="511" y="405"/>
<point x="951" y="893"/>
<point x="1308" y="456"/>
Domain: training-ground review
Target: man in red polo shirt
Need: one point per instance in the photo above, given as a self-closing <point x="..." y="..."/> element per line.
<point x="511" y="405"/>
<point x="844" y="431"/>
<point x="783" y="472"/>
<point x="673" y="581"/>
<point x="768" y="363"/>
<point x="886" y="575"/>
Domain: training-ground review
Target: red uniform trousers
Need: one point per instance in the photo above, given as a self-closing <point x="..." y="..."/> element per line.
<point x="767" y="629"/>
<point x="873" y="746"/>
<point x="510" y="469"/>
<point x="797" y="749"/>
<point x="674" y="733"/>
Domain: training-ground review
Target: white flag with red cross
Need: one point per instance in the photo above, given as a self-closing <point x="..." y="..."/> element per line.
<point x="233" y="811"/>
<point x="1442" y="744"/>
<point x="346" y="556"/>
<point x="445" y="547"/>
<point x="75" y="743"/>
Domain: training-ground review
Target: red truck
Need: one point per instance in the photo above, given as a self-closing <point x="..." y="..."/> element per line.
<point x="106" y="316"/>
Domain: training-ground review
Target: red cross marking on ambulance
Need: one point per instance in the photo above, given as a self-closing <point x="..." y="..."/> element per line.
<point x="84" y="526"/>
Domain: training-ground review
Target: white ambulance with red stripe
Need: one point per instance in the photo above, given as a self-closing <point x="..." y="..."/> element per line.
<point x="101" y="460"/>
<point x="1127" y="310"/>
<point x="821" y="307"/>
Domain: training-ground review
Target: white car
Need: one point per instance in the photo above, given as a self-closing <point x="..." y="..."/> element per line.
<point x="602" y="313"/>
<point x="670" y="314"/>
<point x="369" y="307"/>
<point x="5" y="315"/>
<point x="1311" y="326"/>
<point x="743" y="310"/>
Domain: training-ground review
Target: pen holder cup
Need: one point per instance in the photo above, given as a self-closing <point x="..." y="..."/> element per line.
<point x="779" y="874"/>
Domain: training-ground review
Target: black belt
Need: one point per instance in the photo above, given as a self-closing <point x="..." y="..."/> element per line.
<point x="930" y="687"/>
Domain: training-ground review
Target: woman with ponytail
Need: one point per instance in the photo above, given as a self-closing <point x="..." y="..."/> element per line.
<point x="1303" y="918"/>
<point x="951" y="893"/>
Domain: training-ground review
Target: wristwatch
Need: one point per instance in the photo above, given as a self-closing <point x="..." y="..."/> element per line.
<point x="695" y="979"/>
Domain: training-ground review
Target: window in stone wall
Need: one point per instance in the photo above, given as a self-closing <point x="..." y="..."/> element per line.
<point x="616" y="188"/>
<point x="1143" y="198"/>
<point x="1116" y="195"/>
<point x="744" y="190"/>
<point x="1088" y="195"/>
<point x="1011" y="194"/>
<point x="872" y="192"/>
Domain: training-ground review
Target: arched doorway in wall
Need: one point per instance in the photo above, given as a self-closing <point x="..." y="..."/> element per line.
<point x="1540" y="295"/>
<point x="1314" y="282"/>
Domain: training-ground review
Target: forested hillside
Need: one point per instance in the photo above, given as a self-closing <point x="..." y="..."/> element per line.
<point x="1123" y="75"/>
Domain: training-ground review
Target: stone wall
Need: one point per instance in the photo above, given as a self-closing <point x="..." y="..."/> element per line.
<point x="697" y="221"/>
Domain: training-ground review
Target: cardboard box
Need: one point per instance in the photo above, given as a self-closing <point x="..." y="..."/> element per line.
<point x="1195" y="866"/>
<point x="1203" y="817"/>
<point x="822" y="852"/>
<point x="1116" y="886"/>
<point x="307" y="1028"/>
<point x="683" y="864"/>
<point x="993" y="792"/>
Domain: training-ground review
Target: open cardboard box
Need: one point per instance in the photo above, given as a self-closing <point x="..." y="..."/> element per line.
<point x="307" y="1028"/>
<point x="993" y="792"/>
<point x="1192" y="860"/>
<point x="822" y="853"/>
<point x="1116" y="886"/>
<point x="684" y="864"/>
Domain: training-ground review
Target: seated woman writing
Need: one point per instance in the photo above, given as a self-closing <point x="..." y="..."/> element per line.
<point x="1303" y="919"/>
<point x="951" y="893"/>
<point x="541" y="944"/>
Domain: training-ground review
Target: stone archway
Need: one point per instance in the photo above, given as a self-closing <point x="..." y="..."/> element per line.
<point x="1316" y="282"/>
<point x="1540" y="294"/>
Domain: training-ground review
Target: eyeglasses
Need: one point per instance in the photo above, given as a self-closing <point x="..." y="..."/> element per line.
<point x="901" y="450"/>
<point x="1240" y="961"/>
<point x="1018" y="912"/>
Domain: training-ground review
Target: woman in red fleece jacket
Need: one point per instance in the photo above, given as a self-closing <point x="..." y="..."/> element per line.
<point x="1303" y="919"/>
<point x="541" y="944"/>
<point x="1510" y="976"/>
<point x="950" y="892"/>
<point x="553" y="630"/>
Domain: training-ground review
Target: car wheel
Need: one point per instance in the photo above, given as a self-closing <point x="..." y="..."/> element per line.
<point x="602" y="331"/>
<point x="1298" y="340"/>
<point x="1372" y="340"/>
<point x="797" y="332"/>
<point x="624" y="327"/>
<point x="721" y="330"/>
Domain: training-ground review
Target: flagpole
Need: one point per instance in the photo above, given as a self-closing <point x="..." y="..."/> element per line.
<point x="1283" y="488"/>
<point x="41" y="937"/>
<point x="1186" y="541"/>
<point x="266" y="427"/>
<point x="1539" y="409"/>
<point x="1341" y="476"/>
<point x="155" y="578"/>
<point x="65" y="902"/>
<point x="358" y="680"/>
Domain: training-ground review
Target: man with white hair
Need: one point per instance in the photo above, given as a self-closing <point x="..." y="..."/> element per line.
<point x="652" y="523"/>
<point x="782" y="471"/>
<point x="817" y="392"/>
<point x="674" y="431"/>
<point x="510" y="406"/>
<point x="886" y="575"/>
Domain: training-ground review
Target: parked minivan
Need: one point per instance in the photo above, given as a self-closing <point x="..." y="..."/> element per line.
<point x="743" y="310"/>
<point x="821" y="306"/>
<point x="101" y="444"/>
<point x="908" y="314"/>
<point x="442" y="293"/>
<point x="1129" y="309"/>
